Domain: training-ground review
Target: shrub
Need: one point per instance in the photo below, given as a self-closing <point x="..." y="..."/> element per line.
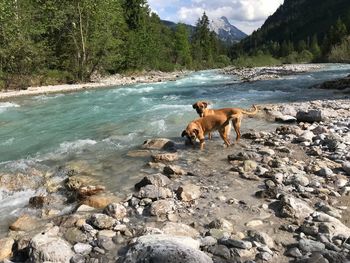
<point x="340" y="53"/>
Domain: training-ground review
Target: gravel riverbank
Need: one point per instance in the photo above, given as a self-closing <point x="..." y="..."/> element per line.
<point x="279" y="195"/>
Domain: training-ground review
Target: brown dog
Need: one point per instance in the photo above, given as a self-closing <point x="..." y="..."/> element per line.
<point x="197" y="129"/>
<point x="235" y="113"/>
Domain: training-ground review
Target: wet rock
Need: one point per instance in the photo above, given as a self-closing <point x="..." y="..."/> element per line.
<point x="82" y="248"/>
<point x="179" y="229"/>
<point x="76" y="181"/>
<point x="346" y="167"/>
<point x="159" y="144"/>
<point x="165" y="157"/>
<point x="25" y="223"/>
<point x="100" y="200"/>
<point x="188" y="192"/>
<point x="171" y="170"/>
<point x="116" y="211"/>
<point x="310" y="116"/>
<point x="308" y="245"/>
<point x="161" y="207"/>
<point x="163" y="248"/>
<point x="48" y="247"/>
<point x="154" y="192"/>
<point x="295" y="208"/>
<point x="153" y="179"/>
<point x="90" y="190"/>
<point x="19" y="182"/>
<point x="6" y="248"/>
<point x="139" y="153"/>
<point x="102" y="221"/>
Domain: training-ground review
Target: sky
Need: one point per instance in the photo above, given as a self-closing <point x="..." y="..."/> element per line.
<point x="247" y="15"/>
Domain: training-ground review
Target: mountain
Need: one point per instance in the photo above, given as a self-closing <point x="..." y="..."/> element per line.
<point x="298" y="20"/>
<point x="173" y="25"/>
<point x="226" y="32"/>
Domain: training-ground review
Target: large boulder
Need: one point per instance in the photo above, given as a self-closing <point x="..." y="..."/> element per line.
<point x="310" y="116"/>
<point x="164" y="248"/>
<point x="48" y="247"/>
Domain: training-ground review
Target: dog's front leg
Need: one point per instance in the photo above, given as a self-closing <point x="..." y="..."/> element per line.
<point x="201" y="143"/>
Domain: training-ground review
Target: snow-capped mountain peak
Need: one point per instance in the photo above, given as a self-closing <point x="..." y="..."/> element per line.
<point x="226" y="32"/>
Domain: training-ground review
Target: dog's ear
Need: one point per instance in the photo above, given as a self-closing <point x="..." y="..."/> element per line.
<point x="196" y="131"/>
<point x="194" y="106"/>
<point x="184" y="133"/>
<point x="205" y="104"/>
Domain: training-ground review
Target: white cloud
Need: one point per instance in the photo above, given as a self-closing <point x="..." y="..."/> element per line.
<point x="247" y="15"/>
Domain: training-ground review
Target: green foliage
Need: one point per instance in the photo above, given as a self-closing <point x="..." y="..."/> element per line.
<point x="298" y="57"/>
<point x="341" y="52"/>
<point x="259" y="60"/>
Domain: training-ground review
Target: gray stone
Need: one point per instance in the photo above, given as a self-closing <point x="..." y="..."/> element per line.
<point x="154" y="192"/>
<point x="306" y="136"/>
<point x="158" y="144"/>
<point x="105" y="243"/>
<point x="208" y="241"/>
<point x="222" y="224"/>
<point x="102" y="221"/>
<point x="346" y="167"/>
<point x="171" y="170"/>
<point x="220" y="251"/>
<point x="308" y="245"/>
<point x="153" y="179"/>
<point x="325" y="171"/>
<point x="116" y="211"/>
<point x="310" y="116"/>
<point x="266" y="151"/>
<point x="261" y="237"/>
<point x="161" y="207"/>
<point x="165" y="157"/>
<point x="236" y="243"/>
<point x="163" y="248"/>
<point x="47" y="246"/>
<point x="179" y="229"/>
<point x="293" y="207"/>
<point x="82" y="248"/>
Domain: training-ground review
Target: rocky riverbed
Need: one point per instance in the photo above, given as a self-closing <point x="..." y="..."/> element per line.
<point x="267" y="73"/>
<point x="279" y="195"/>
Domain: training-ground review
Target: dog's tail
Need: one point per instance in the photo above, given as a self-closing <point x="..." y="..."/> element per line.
<point x="256" y="110"/>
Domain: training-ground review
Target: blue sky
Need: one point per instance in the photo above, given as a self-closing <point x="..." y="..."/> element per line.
<point x="247" y="15"/>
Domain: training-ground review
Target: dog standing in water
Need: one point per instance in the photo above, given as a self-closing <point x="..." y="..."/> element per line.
<point x="236" y="114"/>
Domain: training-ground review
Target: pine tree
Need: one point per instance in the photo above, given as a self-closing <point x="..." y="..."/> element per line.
<point x="182" y="46"/>
<point x="314" y="47"/>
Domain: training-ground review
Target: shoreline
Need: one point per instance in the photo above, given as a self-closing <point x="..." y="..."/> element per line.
<point x="277" y="196"/>
<point x="98" y="82"/>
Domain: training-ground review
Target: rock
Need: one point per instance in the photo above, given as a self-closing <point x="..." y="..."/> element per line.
<point x="161" y="207"/>
<point x="308" y="245"/>
<point x="288" y="110"/>
<point x="285" y="119"/>
<point x="159" y="144"/>
<point x="78" y="258"/>
<point x="325" y="172"/>
<point x="82" y="248"/>
<point x="6" y="248"/>
<point x="138" y="153"/>
<point x="306" y="136"/>
<point x="106" y="233"/>
<point x="100" y="200"/>
<point x="218" y="233"/>
<point x="154" y="192"/>
<point x="74" y="235"/>
<point x="179" y="229"/>
<point x="188" y="192"/>
<point x="170" y="170"/>
<point x="310" y="116"/>
<point x="220" y="251"/>
<point x="85" y="208"/>
<point x="102" y="221"/>
<point x="163" y="248"/>
<point x="254" y="223"/>
<point x="48" y="247"/>
<point x="330" y="225"/>
<point x="153" y="179"/>
<point x="346" y="167"/>
<point x="236" y="243"/>
<point x="19" y="182"/>
<point x="25" y="223"/>
<point x="165" y="157"/>
<point x="208" y="241"/>
<point x="242" y="156"/>
<point x="261" y="237"/>
<point x="295" y="208"/>
<point x="116" y="211"/>
<point x="266" y="151"/>
<point x="105" y="243"/>
<point x="90" y="190"/>
<point x="294" y="252"/>
<point x="222" y="224"/>
<point x="297" y="179"/>
<point x="249" y="166"/>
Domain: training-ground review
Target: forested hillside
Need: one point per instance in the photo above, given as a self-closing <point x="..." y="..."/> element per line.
<point x="51" y="41"/>
<point x="300" y="29"/>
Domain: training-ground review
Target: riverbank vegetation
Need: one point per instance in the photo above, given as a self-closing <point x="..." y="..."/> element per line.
<point x="51" y="42"/>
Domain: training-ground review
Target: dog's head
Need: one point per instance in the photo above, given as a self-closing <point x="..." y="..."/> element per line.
<point x="191" y="132"/>
<point x="200" y="106"/>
